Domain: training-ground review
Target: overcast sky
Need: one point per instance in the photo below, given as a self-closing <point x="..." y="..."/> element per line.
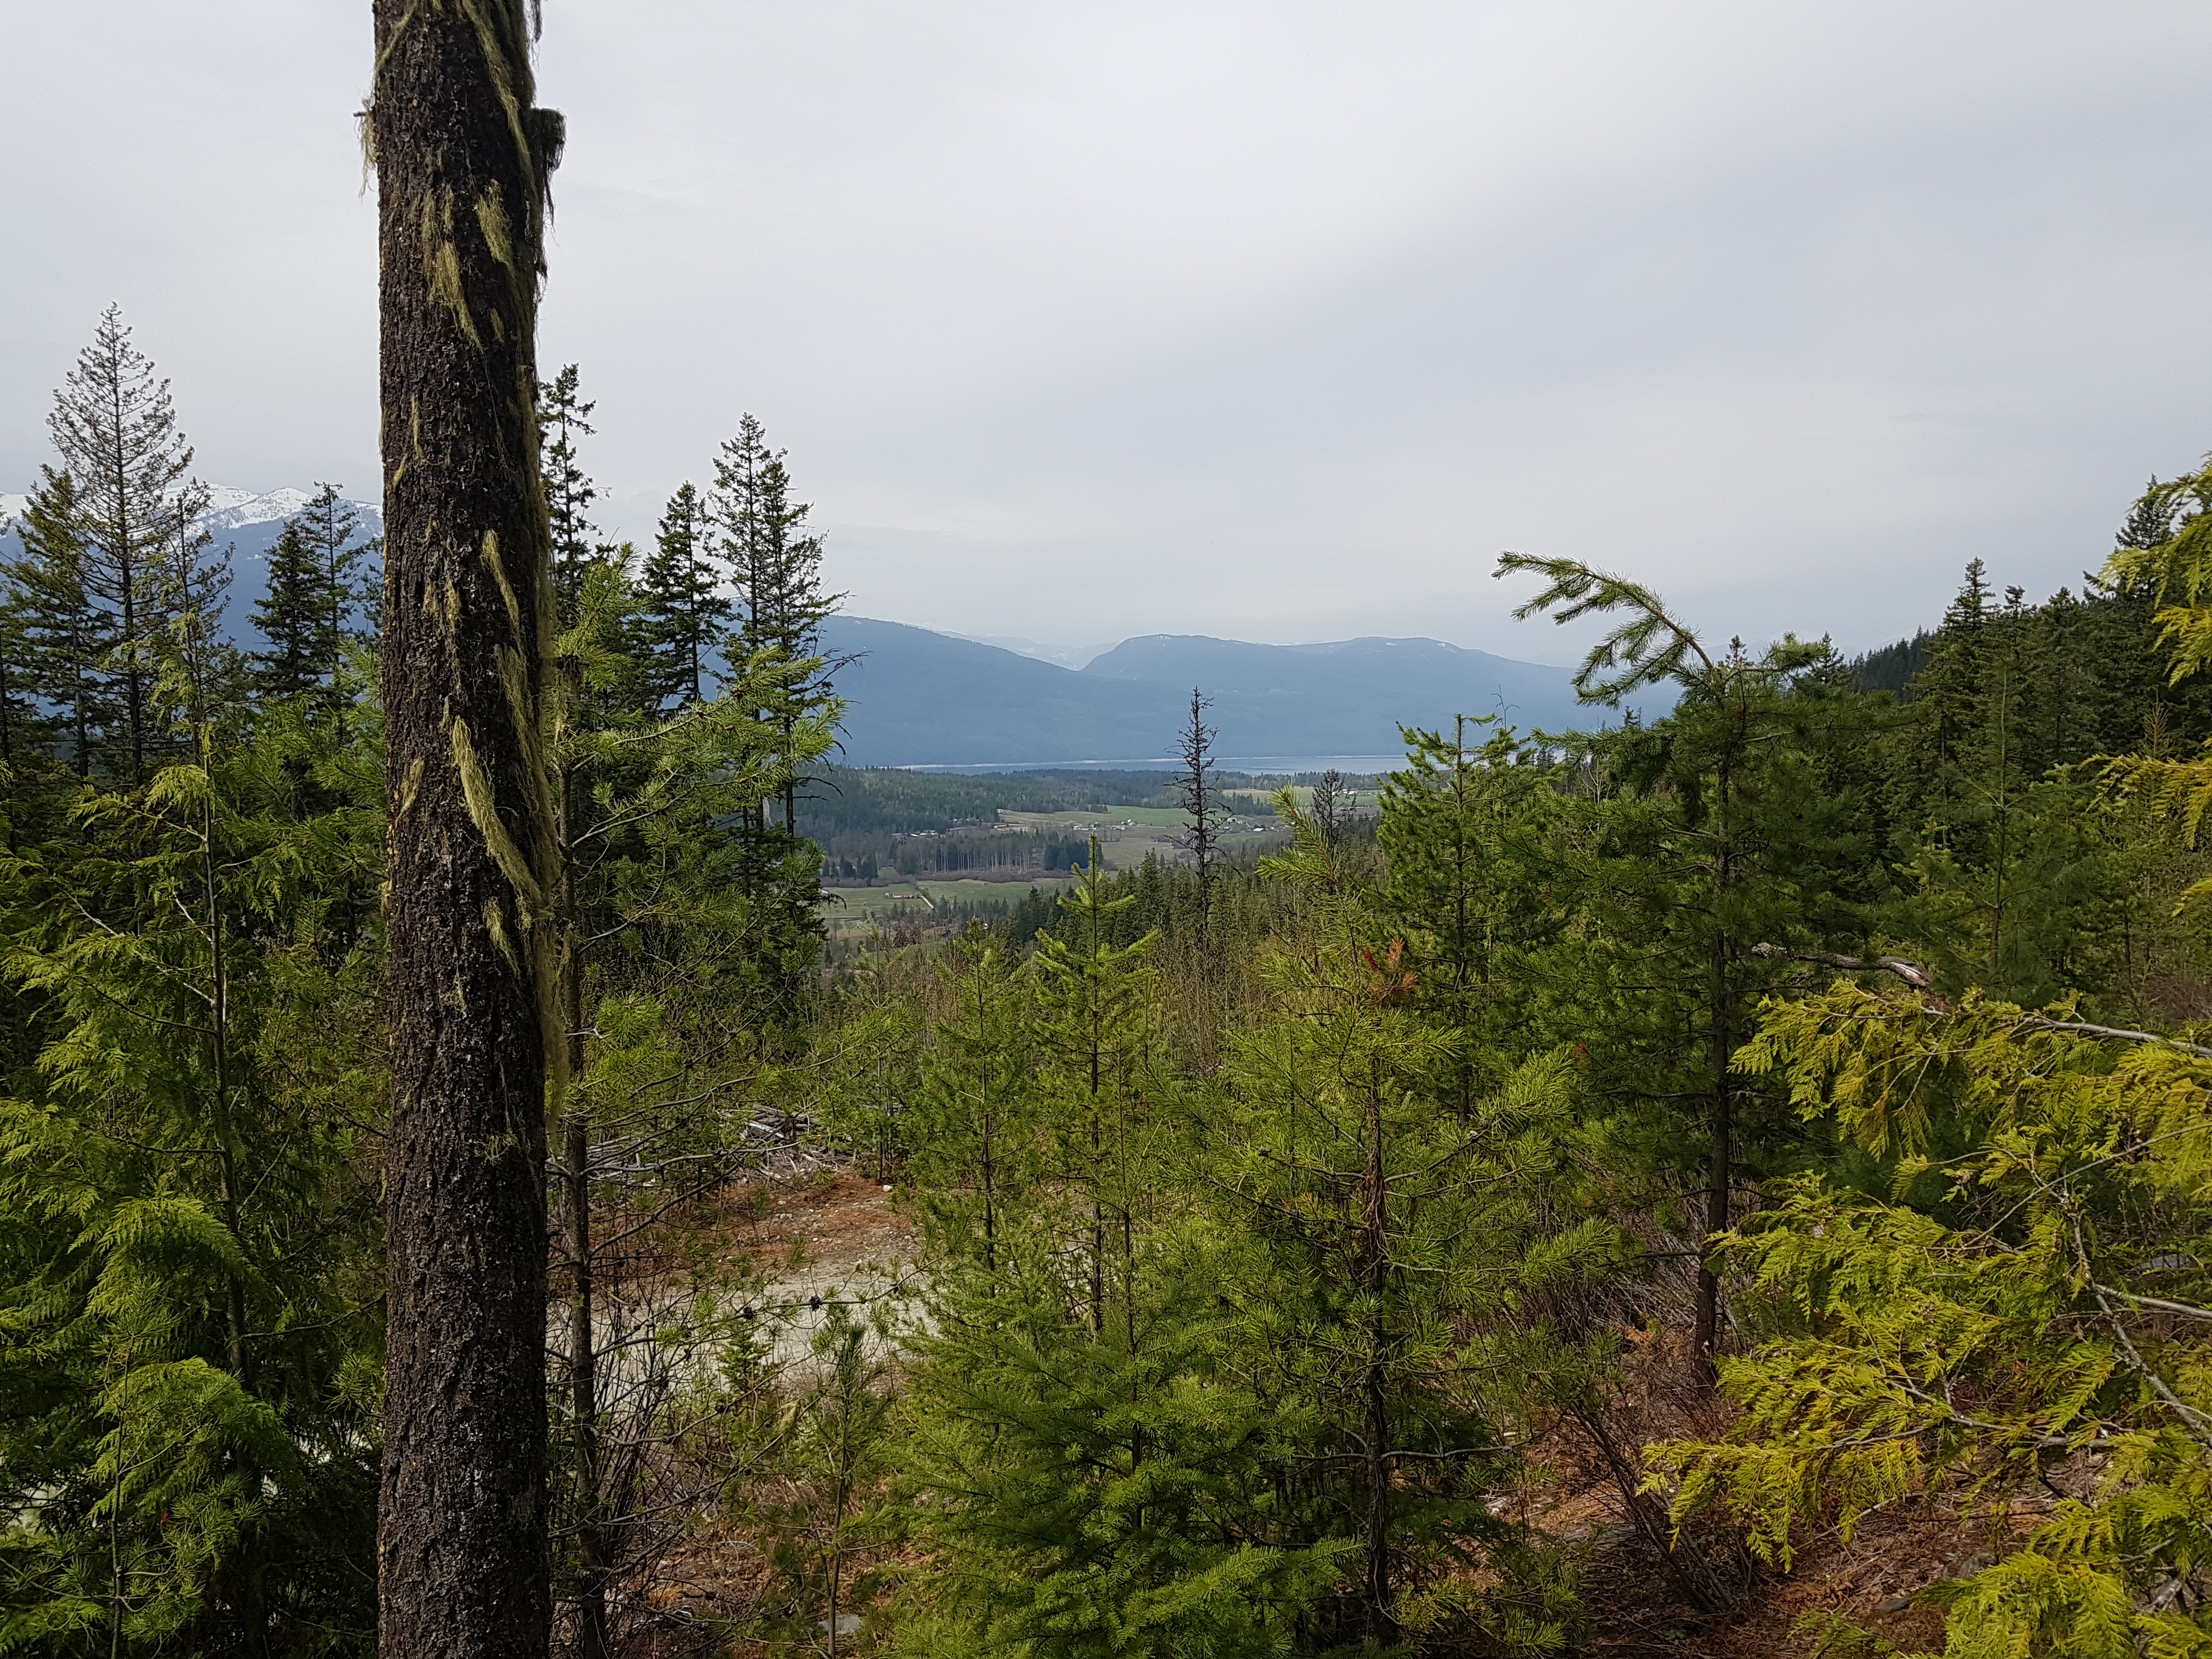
<point x="1271" y="320"/>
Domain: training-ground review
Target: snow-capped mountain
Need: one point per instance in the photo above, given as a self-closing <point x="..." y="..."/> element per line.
<point x="232" y="508"/>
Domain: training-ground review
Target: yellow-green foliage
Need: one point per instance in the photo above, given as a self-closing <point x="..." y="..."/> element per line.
<point x="2180" y="567"/>
<point x="2028" y="1285"/>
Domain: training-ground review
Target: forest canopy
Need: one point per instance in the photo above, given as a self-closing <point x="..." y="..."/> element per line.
<point x="1565" y="1197"/>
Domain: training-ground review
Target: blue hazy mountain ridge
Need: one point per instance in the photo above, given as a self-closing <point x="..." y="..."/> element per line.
<point x="920" y="698"/>
<point x="1346" y="695"/>
<point x="917" y="697"/>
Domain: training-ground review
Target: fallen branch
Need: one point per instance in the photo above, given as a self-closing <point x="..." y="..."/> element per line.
<point x="1911" y="973"/>
<point x="2082" y="1028"/>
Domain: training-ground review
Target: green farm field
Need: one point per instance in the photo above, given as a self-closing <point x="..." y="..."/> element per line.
<point x="1100" y="819"/>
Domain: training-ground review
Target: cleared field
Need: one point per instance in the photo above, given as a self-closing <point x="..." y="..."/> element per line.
<point x="1240" y="802"/>
<point x="855" y="902"/>
<point x="1100" y="819"/>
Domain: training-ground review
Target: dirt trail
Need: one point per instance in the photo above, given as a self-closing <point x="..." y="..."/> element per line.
<point x="820" y="1240"/>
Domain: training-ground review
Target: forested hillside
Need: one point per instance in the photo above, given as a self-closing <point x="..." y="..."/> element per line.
<point x="1734" y="1182"/>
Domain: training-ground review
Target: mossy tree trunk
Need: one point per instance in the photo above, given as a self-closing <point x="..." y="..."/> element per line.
<point x="461" y="160"/>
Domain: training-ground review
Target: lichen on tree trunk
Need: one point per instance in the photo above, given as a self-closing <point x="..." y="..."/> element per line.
<point x="462" y="159"/>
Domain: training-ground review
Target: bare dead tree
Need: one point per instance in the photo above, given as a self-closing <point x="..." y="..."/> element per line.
<point x="1201" y="803"/>
<point x="462" y="160"/>
<point x="1331" y="811"/>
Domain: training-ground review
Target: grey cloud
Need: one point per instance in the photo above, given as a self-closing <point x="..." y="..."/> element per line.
<point x="1274" y="319"/>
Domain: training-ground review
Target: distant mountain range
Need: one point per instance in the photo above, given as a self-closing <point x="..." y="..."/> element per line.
<point x="918" y="697"/>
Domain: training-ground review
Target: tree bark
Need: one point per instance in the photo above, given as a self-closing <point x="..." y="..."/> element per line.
<point x="462" y="160"/>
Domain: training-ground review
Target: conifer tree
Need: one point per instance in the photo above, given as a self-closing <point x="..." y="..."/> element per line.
<point x="684" y="616"/>
<point x="200" y="675"/>
<point x="18" y="712"/>
<point x="2028" y="1285"/>
<point x="2016" y="889"/>
<point x="2019" y="891"/>
<point x="564" y="417"/>
<point x="777" y="568"/>
<point x="1330" y="809"/>
<point x="1376" y="1227"/>
<point x="1719" y="834"/>
<point x="315" y="595"/>
<point x="287" y="615"/>
<point x="759" y="535"/>
<point x="1462" y="827"/>
<point x="62" y="638"/>
<point x="1097" y="1471"/>
<point x="1092" y="1000"/>
<point x="814" y="1509"/>
<point x="639" y="803"/>
<point x="115" y="429"/>
<point x="185" y="1422"/>
<point x="977" y="1111"/>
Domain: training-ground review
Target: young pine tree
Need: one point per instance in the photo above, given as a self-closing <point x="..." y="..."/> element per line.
<point x="1095" y="1469"/>
<point x="2018" y="886"/>
<point x="1463" y="828"/>
<point x="1720" y="833"/>
<point x="1369" y="1232"/>
<point x="811" y="1501"/>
